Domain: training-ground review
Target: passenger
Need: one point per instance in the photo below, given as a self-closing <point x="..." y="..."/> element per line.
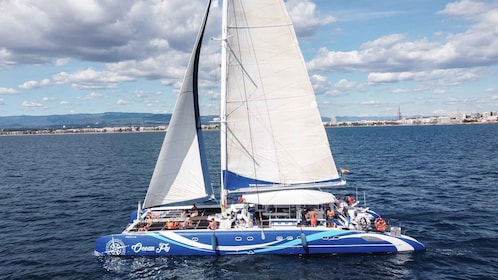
<point x="194" y="212"/>
<point x="143" y="228"/>
<point x="184" y="214"/>
<point x="241" y="223"/>
<point x="170" y="225"/>
<point x="187" y="223"/>
<point x="313" y="218"/>
<point x="350" y="200"/>
<point x="304" y="217"/>
<point x="330" y="217"/>
<point x="149" y="218"/>
<point x="212" y="224"/>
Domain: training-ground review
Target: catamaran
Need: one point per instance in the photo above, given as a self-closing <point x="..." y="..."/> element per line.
<point x="277" y="169"/>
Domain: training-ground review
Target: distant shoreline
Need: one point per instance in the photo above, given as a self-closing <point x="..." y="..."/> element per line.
<point x="134" y="129"/>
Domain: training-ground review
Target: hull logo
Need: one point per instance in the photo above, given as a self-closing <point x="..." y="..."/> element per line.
<point x="139" y="247"/>
<point x="115" y="247"/>
<point x="163" y="247"/>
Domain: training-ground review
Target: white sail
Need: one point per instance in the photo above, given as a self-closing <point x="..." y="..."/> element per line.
<point x="274" y="133"/>
<point x="181" y="172"/>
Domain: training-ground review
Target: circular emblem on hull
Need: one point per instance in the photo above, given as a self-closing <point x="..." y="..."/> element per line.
<point x="115" y="247"/>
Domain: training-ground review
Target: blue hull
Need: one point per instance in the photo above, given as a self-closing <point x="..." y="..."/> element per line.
<point x="253" y="241"/>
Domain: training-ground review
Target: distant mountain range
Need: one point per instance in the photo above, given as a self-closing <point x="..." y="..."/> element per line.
<point x="111" y="119"/>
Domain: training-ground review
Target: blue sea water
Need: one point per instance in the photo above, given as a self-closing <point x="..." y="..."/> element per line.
<point x="59" y="193"/>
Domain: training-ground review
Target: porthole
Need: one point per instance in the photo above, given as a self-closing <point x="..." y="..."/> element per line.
<point x="289" y="237"/>
<point x="279" y="238"/>
<point x="250" y="238"/>
<point x="238" y="238"/>
<point x="195" y="239"/>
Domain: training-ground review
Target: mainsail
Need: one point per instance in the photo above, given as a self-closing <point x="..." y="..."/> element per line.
<point x="272" y="129"/>
<point x="181" y="172"/>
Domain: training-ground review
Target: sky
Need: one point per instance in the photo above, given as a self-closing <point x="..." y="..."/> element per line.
<point x="364" y="58"/>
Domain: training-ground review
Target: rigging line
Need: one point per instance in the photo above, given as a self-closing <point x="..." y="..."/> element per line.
<point x="260" y="26"/>
<point x="244" y="19"/>
<point x="249" y="154"/>
<point x="239" y="63"/>
<point x="244" y="81"/>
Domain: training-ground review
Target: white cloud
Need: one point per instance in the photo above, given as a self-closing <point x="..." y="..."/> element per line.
<point x="33" y="104"/>
<point x="304" y="17"/>
<point x="5" y="58"/>
<point x="394" y="57"/>
<point x="322" y="85"/>
<point x="107" y="31"/>
<point x="35" y="84"/>
<point x="443" y="76"/>
<point x="400" y="90"/>
<point x="370" y="102"/>
<point x="62" y="61"/>
<point x="345" y="85"/>
<point x="466" y="8"/>
<point x="90" y="79"/>
<point x="91" y="96"/>
<point x="122" y="102"/>
<point x="8" y="91"/>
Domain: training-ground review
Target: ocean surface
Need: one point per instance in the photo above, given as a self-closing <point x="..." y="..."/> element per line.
<point x="59" y="193"/>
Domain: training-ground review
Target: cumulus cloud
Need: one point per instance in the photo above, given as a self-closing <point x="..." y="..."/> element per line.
<point x="322" y="85"/>
<point x="62" y="61"/>
<point x="33" y="104"/>
<point x="370" y="102"/>
<point x="448" y="76"/>
<point x="305" y="18"/>
<point x="8" y="91"/>
<point x="90" y="79"/>
<point x="91" y="96"/>
<point x="395" y="57"/>
<point x="35" y="84"/>
<point x="104" y="31"/>
<point x="345" y="85"/>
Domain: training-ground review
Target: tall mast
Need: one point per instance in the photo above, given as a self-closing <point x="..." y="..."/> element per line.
<point x="223" y="94"/>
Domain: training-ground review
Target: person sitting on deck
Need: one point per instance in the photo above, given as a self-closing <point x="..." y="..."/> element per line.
<point x="148" y="218"/>
<point x="240" y="223"/>
<point x="143" y="227"/>
<point x="194" y="212"/>
<point x="212" y="224"/>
